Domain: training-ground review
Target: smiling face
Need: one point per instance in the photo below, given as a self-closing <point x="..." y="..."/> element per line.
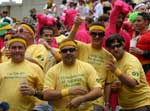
<point x="140" y="23"/>
<point x="117" y="49"/>
<point x="17" y="51"/>
<point x="69" y="54"/>
<point x="97" y="38"/>
<point x="47" y="35"/>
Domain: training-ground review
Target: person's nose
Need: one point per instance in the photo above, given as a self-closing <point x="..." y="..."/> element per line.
<point x="68" y="52"/>
<point x="17" y="49"/>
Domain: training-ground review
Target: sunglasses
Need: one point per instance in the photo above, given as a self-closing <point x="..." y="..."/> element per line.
<point x="68" y="49"/>
<point x="100" y="34"/>
<point x="116" y="46"/>
<point x="21" y="30"/>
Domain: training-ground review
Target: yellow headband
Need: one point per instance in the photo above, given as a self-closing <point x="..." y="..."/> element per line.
<point x="7" y="27"/>
<point x="67" y="43"/>
<point x="28" y="28"/>
<point x="7" y="36"/>
<point x="96" y="27"/>
<point x="17" y="40"/>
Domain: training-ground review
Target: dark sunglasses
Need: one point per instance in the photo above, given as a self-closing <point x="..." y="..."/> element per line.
<point x="68" y="49"/>
<point x="116" y="46"/>
<point x="100" y="34"/>
<point x="21" y="30"/>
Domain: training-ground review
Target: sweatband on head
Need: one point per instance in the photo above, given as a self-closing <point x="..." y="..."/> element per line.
<point x="7" y="36"/>
<point x="28" y="28"/>
<point x="97" y="27"/>
<point x="67" y="43"/>
<point x="17" y="40"/>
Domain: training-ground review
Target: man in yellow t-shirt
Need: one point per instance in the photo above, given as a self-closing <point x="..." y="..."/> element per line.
<point x="46" y="38"/>
<point x="96" y="55"/>
<point x="134" y="92"/>
<point x="70" y="84"/>
<point x="35" y="53"/>
<point x="20" y="80"/>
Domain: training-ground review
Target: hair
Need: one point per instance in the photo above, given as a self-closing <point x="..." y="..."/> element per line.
<point x="64" y="1"/>
<point x="113" y="38"/>
<point x="104" y="17"/>
<point x="98" y="23"/>
<point x="89" y="19"/>
<point x="5" y="12"/>
<point x="145" y="15"/>
<point x="45" y="28"/>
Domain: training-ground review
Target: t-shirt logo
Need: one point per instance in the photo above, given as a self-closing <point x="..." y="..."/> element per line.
<point x="98" y="80"/>
<point x="40" y="57"/>
<point x="135" y="74"/>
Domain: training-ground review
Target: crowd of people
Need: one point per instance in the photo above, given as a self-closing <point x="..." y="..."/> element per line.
<point x="83" y="55"/>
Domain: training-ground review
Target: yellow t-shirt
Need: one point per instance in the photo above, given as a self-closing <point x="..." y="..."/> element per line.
<point x="130" y="98"/>
<point x="11" y="76"/>
<point x="51" y="61"/>
<point x="98" y="59"/>
<point x="4" y="58"/>
<point x="39" y="53"/>
<point x="60" y="77"/>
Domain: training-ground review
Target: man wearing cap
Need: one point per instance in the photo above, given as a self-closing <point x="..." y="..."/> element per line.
<point x="70" y="84"/>
<point x="19" y="79"/>
<point x="96" y="55"/>
<point x="35" y="53"/>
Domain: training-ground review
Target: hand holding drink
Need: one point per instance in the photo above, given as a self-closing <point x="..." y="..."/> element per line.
<point x="25" y="89"/>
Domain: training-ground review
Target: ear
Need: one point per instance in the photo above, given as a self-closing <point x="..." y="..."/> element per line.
<point x="146" y="22"/>
<point x="123" y="44"/>
<point x="77" y="52"/>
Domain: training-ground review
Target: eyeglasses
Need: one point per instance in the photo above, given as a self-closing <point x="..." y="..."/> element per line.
<point x="21" y="30"/>
<point x="100" y="34"/>
<point x="68" y="49"/>
<point x="116" y="46"/>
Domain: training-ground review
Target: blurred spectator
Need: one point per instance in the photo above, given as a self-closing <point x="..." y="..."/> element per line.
<point x="4" y="106"/>
<point x="50" y="9"/>
<point x="32" y="18"/>
<point x="4" y="27"/>
<point x="42" y="107"/>
<point x="97" y="9"/>
<point x="83" y="8"/>
<point x="140" y="7"/>
<point x="25" y="20"/>
<point x="6" y="18"/>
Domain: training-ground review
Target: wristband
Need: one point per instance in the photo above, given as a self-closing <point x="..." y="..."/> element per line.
<point x="118" y="72"/>
<point x="65" y="92"/>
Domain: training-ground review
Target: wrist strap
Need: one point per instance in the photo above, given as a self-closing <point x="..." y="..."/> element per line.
<point x="65" y="92"/>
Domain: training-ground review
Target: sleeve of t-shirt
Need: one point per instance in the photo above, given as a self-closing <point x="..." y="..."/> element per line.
<point x="134" y="70"/>
<point x="93" y="78"/>
<point x="36" y="79"/>
<point x="49" y="80"/>
<point x="110" y="77"/>
<point x="40" y="79"/>
<point x="40" y="56"/>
